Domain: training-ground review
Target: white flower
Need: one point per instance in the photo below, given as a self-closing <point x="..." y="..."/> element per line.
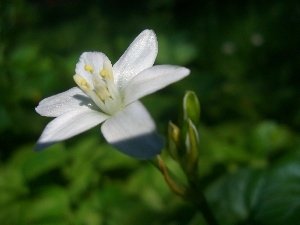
<point x="110" y="94"/>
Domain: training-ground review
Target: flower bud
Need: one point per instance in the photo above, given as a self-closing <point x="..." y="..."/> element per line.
<point x="191" y="107"/>
<point x="173" y="140"/>
<point x="190" y="141"/>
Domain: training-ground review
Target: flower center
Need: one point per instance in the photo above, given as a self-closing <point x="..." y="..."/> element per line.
<point x="103" y="90"/>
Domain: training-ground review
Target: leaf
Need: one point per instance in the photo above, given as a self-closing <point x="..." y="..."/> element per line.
<point x="279" y="201"/>
<point x="270" y="196"/>
<point x="49" y="207"/>
<point x="12" y="185"/>
<point x="33" y="164"/>
<point x="11" y="213"/>
<point x="268" y="136"/>
<point x="232" y="196"/>
<point x="82" y="182"/>
<point x="51" y="204"/>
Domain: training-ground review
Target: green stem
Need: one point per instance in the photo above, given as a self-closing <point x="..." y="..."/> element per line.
<point x="175" y="186"/>
<point x="196" y="196"/>
<point x="191" y="194"/>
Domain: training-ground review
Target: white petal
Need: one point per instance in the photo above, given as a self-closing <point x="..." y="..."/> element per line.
<point x="64" y="102"/>
<point x="133" y="132"/>
<point x="94" y="59"/>
<point x="140" y="55"/>
<point x="69" y="125"/>
<point x="151" y="80"/>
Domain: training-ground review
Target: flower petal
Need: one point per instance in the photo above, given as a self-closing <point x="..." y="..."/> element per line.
<point x="151" y="80"/>
<point x="64" y="102"/>
<point x="69" y="125"/>
<point x="133" y="132"/>
<point x="140" y="55"/>
<point x="93" y="59"/>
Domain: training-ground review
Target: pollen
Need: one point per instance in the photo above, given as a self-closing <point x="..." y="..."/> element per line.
<point x="82" y="83"/>
<point x="103" y="73"/>
<point x="89" y="68"/>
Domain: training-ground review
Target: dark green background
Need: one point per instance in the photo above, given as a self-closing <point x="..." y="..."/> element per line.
<point x="244" y="60"/>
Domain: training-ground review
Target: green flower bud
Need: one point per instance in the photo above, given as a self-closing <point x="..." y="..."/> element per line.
<point x="190" y="141"/>
<point x="173" y="139"/>
<point x="191" y="107"/>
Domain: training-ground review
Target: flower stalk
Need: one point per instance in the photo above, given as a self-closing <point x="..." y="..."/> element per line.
<point x="170" y="179"/>
<point x="183" y="147"/>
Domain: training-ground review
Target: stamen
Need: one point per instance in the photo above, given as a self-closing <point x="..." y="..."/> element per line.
<point x="102" y="92"/>
<point x="89" y="68"/>
<point x="82" y="83"/>
<point x="103" y="73"/>
<point x="98" y="102"/>
<point x="113" y="90"/>
<point x="98" y="81"/>
<point x="111" y="105"/>
<point x="107" y="72"/>
<point x="86" y="87"/>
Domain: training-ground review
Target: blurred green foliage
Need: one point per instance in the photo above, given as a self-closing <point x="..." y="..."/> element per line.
<point x="244" y="58"/>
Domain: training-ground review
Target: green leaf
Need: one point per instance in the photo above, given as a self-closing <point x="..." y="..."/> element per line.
<point x="268" y="136"/>
<point x="12" y="185"/>
<point x="11" y="213"/>
<point x="33" y="164"/>
<point x="82" y="182"/>
<point x="270" y="196"/>
<point x="232" y="196"/>
<point x="51" y="204"/>
<point x="88" y="213"/>
<point x="279" y="201"/>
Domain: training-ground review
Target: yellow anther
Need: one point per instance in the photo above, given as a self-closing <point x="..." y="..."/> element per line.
<point x="89" y="68"/>
<point x="107" y="67"/>
<point x="103" y="73"/>
<point x="82" y="83"/>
